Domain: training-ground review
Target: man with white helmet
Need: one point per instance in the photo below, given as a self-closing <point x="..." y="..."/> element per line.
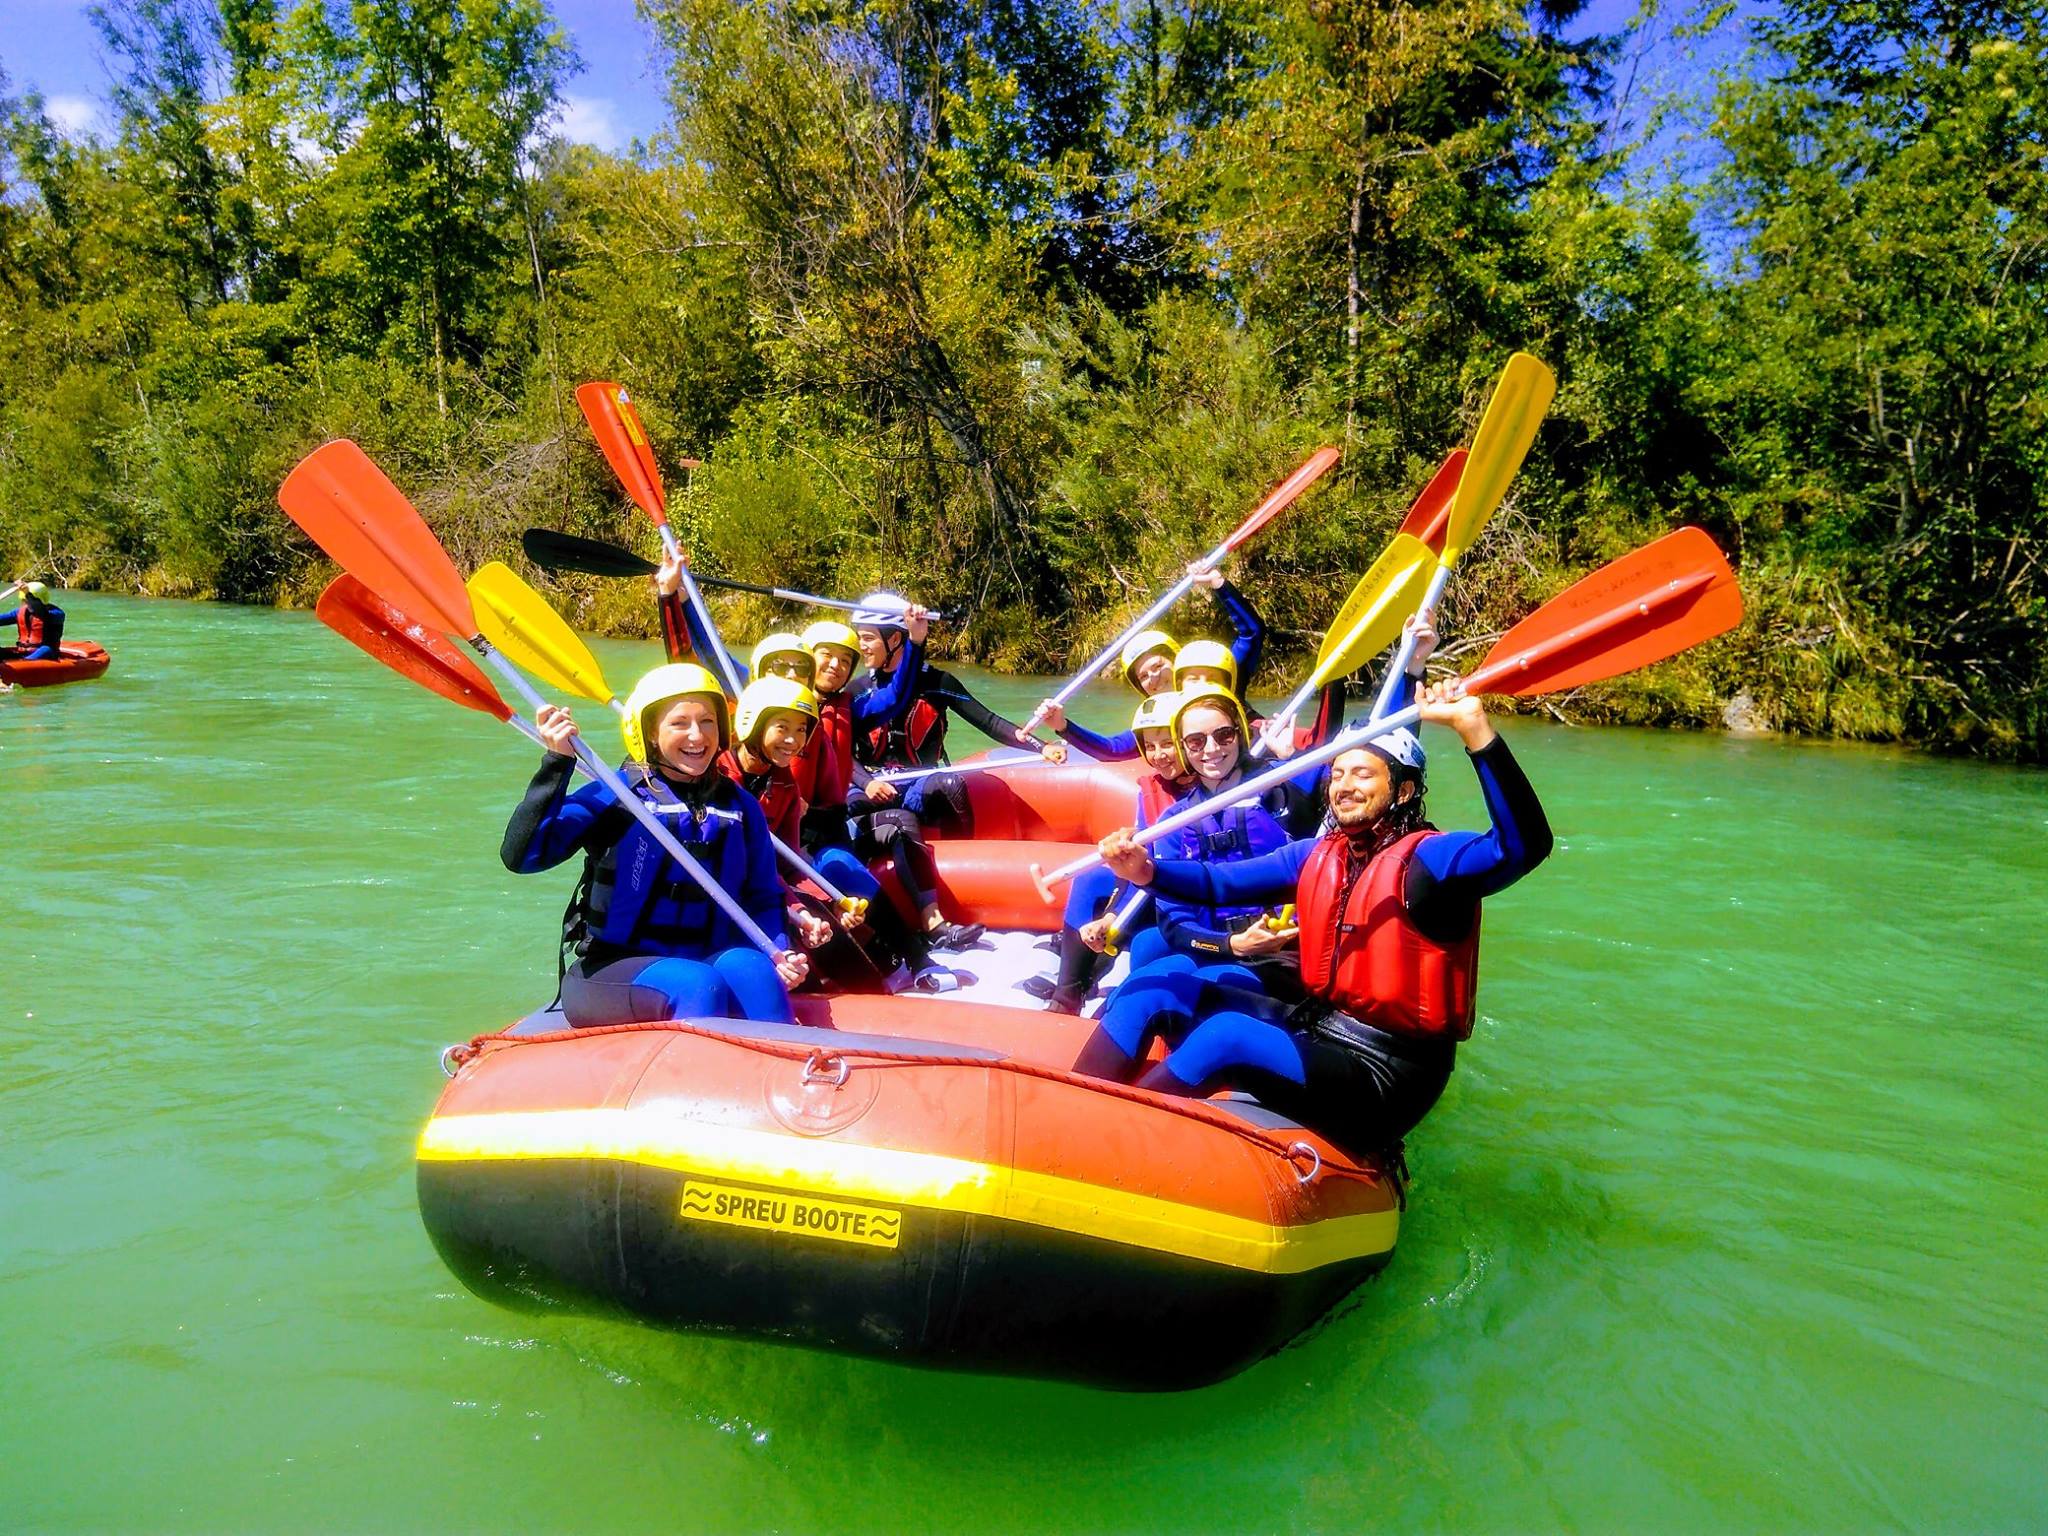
<point x="1388" y="912"/>
<point x="914" y="736"/>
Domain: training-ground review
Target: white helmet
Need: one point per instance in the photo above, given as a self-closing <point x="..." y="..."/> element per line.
<point x="1399" y="749"/>
<point x="881" y="610"/>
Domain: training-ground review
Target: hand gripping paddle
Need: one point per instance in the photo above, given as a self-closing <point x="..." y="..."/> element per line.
<point x="364" y="523"/>
<point x="616" y="425"/>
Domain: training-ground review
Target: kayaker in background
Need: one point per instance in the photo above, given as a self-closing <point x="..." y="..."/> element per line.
<point x="641" y="941"/>
<point x="37" y="622"/>
<point x="1147" y="664"/>
<point x="1097" y="895"/>
<point x="1388" y="910"/>
<point x="890" y="821"/>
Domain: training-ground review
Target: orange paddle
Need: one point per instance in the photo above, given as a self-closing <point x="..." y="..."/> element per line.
<point x="1664" y="598"/>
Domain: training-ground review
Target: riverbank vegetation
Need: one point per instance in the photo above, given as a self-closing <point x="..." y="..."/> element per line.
<point x="1014" y="305"/>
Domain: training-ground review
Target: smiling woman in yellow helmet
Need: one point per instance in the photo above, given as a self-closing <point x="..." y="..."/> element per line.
<point x="1148" y="663"/>
<point x="641" y="941"/>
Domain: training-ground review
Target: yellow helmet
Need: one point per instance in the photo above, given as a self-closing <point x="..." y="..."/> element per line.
<point x="1141" y="645"/>
<point x="1215" y="698"/>
<point x="36" y="590"/>
<point x="1204" y="653"/>
<point x="832" y="632"/>
<point x="1155" y="713"/>
<point x="781" y="643"/>
<point x="664" y="685"/>
<point x="764" y="695"/>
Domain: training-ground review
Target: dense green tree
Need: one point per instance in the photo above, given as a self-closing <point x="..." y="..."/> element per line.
<point x="1877" y="385"/>
<point x="1021" y="304"/>
<point x="426" y="108"/>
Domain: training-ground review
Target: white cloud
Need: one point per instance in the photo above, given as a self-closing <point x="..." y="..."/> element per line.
<point x="77" y="116"/>
<point x="592" y="120"/>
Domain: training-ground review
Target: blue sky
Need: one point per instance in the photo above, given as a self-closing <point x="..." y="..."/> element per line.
<point x="50" y="46"/>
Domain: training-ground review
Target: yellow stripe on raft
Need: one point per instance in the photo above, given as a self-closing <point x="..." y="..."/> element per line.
<point x="910" y="1178"/>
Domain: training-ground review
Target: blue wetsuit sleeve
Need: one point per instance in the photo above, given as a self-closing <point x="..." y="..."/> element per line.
<point x="1453" y="871"/>
<point x="1104" y="749"/>
<point x="1185" y="933"/>
<point x="893" y="694"/>
<point x="11" y="617"/>
<point x="1255" y="882"/>
<point x="1250" y="643"/>
<point x="550" y="825"/>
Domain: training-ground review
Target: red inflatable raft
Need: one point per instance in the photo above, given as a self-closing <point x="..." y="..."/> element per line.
<point x="81" y="659"/>
<point x="920" y="1178"/>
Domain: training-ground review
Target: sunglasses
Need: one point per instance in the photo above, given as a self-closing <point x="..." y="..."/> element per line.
<point x="1196" y="741"/>
<point x="792" y="667"/>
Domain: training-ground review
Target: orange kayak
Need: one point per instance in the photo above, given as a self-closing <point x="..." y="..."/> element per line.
<point x="914" y="1177"/>
<point x="81" y="659"/>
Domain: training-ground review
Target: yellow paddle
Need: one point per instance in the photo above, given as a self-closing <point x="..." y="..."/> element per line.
<point x="1367" y="624"/>
<point x="518" y="621"/>
<point x="1516" y="410"/>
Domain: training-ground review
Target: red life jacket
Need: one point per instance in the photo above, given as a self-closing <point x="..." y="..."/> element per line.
<point x="825" y="766"/>
<point x="1360" y="952"/>
<point x="917" y="740"/>
<point x="28" y="624"/>
<point x="1155" y="798"/>
<point x="777" y="792"/>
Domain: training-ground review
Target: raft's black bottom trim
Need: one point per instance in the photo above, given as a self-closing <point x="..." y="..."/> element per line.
<point x="964" y="1292"/>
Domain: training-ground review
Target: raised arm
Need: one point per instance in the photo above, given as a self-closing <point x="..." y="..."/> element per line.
<point x="1249" y="629"/>
<point x="550" y="825"/>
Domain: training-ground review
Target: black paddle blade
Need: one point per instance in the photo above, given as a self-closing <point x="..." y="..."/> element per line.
<point x="553" y="551"/>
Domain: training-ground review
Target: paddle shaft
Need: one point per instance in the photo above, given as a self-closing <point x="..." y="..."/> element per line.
<point x="604" y="773"/>
<point x="1406" y="650"/>
<point x="1496" y="674"/>
<point x="1108" y="653"/>
<point x="907" y="775"/>
<point x="727" y="672"/>
<point x="1124" y="919"/>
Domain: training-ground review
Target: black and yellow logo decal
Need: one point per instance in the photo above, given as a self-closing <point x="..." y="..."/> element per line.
<point x="873" y="1226"/>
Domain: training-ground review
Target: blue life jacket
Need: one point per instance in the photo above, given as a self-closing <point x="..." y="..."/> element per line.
<point x="634" y="897"/>
<point x="1229" y="836"/>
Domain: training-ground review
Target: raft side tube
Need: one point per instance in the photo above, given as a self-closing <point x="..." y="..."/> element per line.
<point x="967" y="1215"/>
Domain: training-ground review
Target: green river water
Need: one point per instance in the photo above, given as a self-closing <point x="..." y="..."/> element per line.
<point x="1732" y="1217"/>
